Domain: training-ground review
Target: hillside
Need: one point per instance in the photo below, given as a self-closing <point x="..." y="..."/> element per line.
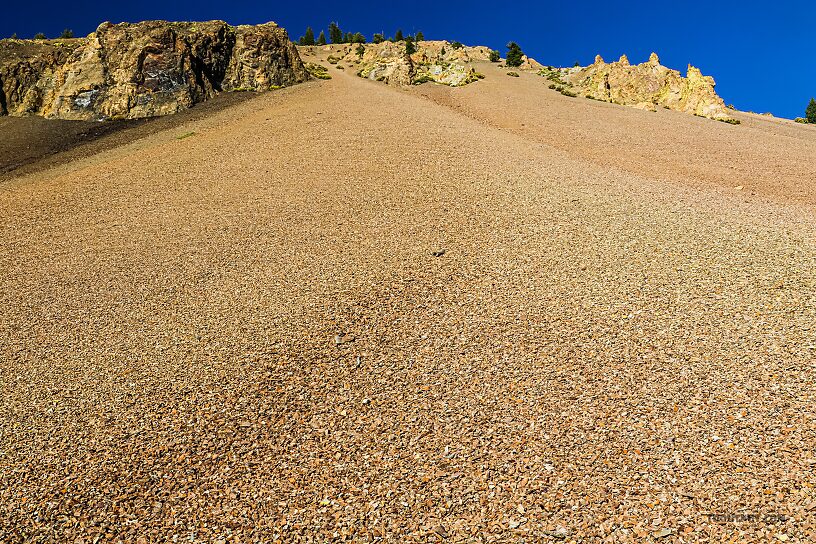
<point x="352" y="311"/>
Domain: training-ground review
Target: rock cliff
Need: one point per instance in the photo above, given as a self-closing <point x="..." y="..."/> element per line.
<point x="648" y="86"/>
<point x="440" y="62"/>
<point x="142" y="70"/>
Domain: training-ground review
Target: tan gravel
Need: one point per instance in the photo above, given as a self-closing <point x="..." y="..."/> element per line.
<point x="244" y="335"/>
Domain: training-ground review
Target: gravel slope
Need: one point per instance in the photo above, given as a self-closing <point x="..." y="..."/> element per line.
<point x="244" y="335"/>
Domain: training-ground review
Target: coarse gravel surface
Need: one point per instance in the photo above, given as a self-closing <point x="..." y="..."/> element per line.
<point x="345" y="312"/>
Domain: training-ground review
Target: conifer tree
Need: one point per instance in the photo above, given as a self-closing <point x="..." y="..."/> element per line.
<point x="810" y="111"/>
<point x="335" y="34"/>
<point x="321" y="39"/>
<point x="514" y="55"/>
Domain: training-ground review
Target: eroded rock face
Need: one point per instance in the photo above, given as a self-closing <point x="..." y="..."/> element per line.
<point x="434" y="61"/>
<point x="144" y="69"/>
<point x="648" y="86"/>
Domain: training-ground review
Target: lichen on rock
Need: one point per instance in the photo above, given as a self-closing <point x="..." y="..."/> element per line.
<point x="143" y="69"/>
<point x="648" y="86"/>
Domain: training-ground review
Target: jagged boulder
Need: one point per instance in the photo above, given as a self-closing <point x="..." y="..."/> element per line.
<point x="648" y="86"/>
<point x="144" y="69"/>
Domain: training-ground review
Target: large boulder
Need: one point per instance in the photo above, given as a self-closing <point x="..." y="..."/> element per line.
<point x="144" y="69"/>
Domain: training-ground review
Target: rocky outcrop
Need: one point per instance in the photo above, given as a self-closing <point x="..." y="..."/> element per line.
<point x="144" y="69"/>
<point x="647" y="86"/>
<point x="434" y="61"/>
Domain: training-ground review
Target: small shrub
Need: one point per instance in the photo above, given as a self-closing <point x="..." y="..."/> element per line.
<point x="67" y="33"/>
<point x="185" y="136"/>
<point x="13" y="36"/>
<point x="424" y="78"/>
<point x="360" y="50"/>
<point x="457" y="45"/>
<point x="801" y="120"/>
<point x="553" y="86"/>
<point x="513" y="74"/>
<point x="39" y="36"/>
<point x="494" y="56"/>
<point x="567" y="92"/>
<point x="339" y="67"/>
<point x="731" y="107"/>
<point x="317" y="71"/>
<point x="378" y="38"/>
<point x="333" y="60"/>
<point x="730" y="121"/>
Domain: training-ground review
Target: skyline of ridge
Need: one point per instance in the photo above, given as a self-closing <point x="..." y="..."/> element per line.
<point x="761" y="58"/>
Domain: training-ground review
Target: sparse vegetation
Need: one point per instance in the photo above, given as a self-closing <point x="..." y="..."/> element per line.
<point x="513" y="74"/>
<point x="66" y="34"/>
<point x="567" y="92"/>
<point x="185" y="135"/>
<point x="424" y="78"/>
<point x="810" y="111"/>
<point x="730" y="121"/>
<point x="39" y="36"/>
<point x="317" y="71"/>
<point x="13" y="36"/>
<point x="495" y="56"/>
<point x="514" y="55"/>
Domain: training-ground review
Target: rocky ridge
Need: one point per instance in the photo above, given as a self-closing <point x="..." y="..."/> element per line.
<point x="144" y="69"/>
<point x="442" y="62"/>
<point x="647" y="86"/>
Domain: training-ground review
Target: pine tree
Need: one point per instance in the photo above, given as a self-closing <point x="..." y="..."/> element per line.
<point x="810" y="111"/>
<point x="360" y="50"/>
<point x="67" y="33"/>
<point x="514" y="55"/>
<point x="321" y="39"/>
<point x="410" y="48"/>
<point x="378" y="38"/>
<point x="348" y="37"/>
<point x="420" y="37"/>
<point x="14" y="36"/>
<point x="335" y="34"/>
<point x="398" y="36"/>
<point x="308" y="38"/>
<point x="358" y="38"/>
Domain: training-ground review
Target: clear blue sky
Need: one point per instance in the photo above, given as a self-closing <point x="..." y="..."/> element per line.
<point x="762" y="54"/>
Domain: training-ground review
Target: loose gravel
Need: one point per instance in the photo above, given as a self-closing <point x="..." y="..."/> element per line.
<point x="344" y="312"/>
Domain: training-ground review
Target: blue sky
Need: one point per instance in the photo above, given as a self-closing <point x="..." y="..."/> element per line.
<point x="762" y="54"/>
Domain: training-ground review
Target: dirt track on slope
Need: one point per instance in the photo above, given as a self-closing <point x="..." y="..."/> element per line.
<point x="245" y="334"/>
